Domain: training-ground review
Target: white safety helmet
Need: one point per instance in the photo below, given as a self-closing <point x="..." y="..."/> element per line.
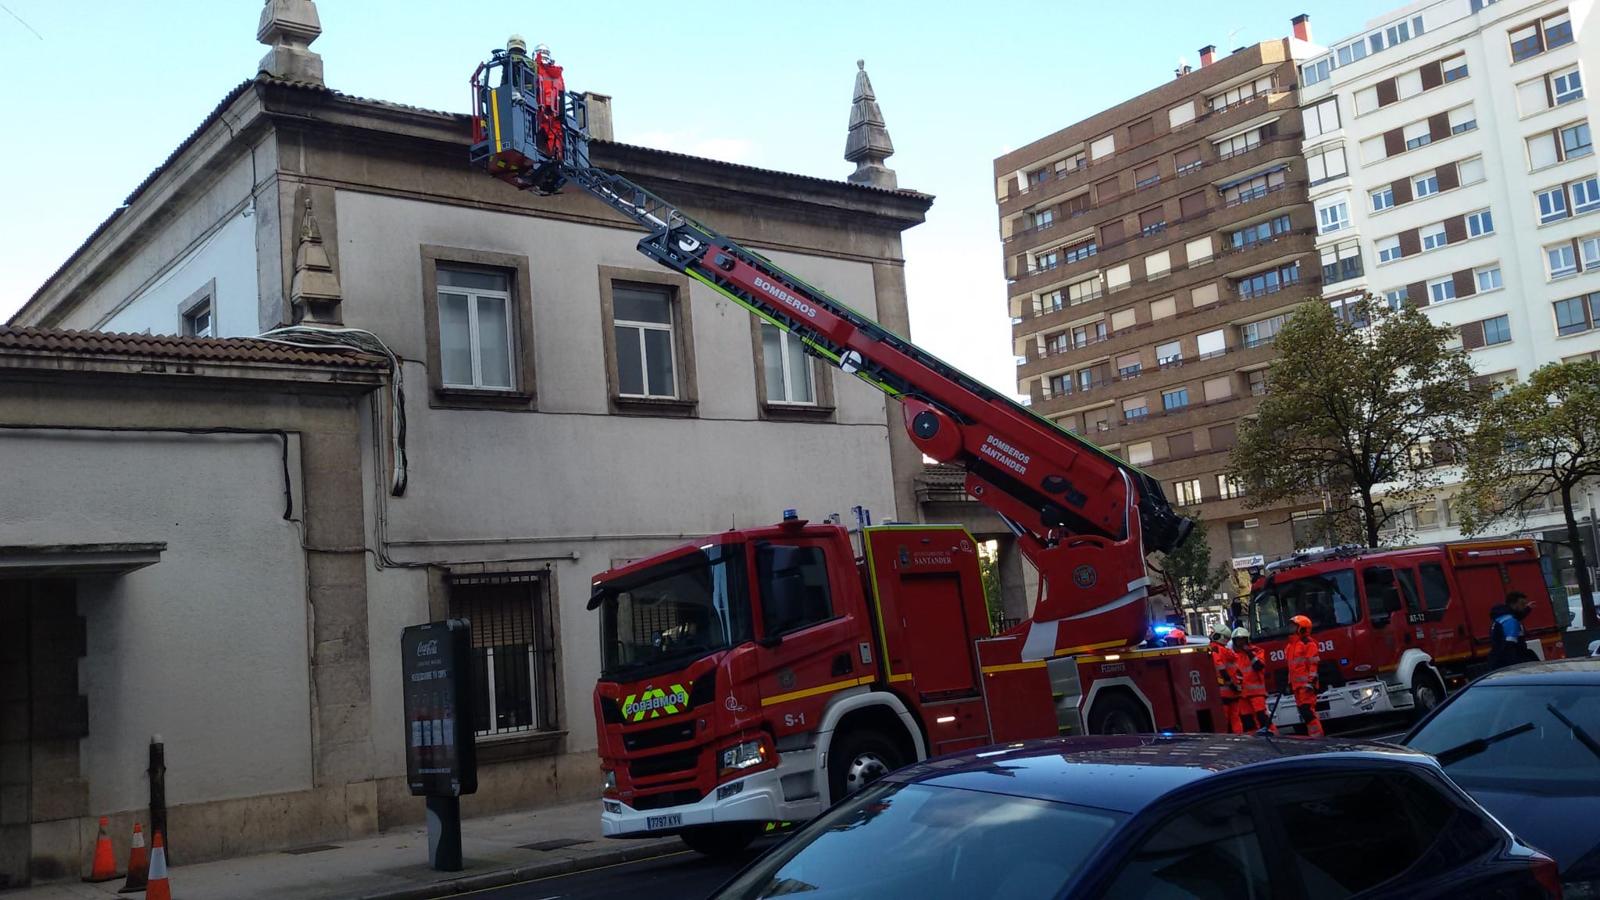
<point x="1241" y="633"/>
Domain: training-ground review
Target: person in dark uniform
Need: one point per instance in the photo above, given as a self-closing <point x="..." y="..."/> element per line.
<point x="1506" y="634"/>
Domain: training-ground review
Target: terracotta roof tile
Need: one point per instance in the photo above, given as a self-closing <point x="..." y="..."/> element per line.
<point x="942" y="475"/>
<point x="190" y="349"/>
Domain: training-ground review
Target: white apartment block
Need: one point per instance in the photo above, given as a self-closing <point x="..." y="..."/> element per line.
<point x="1451" y="164"/>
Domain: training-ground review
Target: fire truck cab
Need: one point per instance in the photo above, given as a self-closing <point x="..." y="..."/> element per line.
<point x="1396" y="629"/>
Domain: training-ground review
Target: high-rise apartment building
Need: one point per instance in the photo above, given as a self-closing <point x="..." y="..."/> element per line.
<point x="1152" y="252"/>
<point x="1452" y="168"/>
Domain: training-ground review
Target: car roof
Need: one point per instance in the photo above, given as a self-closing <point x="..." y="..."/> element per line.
<point x="1578" y="670"/>
<point x="1129" y="772"/>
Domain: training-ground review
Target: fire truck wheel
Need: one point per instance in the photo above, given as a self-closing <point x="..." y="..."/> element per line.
<point x="857" y="759"/>
<point x="1118" y="714"/>
<point x="1427" y="691"/>
<point x="721" y="840"/>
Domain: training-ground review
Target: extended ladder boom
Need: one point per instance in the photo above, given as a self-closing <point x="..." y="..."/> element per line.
<point x="1084" y="517"/>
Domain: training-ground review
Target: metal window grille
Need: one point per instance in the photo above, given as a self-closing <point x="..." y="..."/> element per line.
<point x="513" y="650"/>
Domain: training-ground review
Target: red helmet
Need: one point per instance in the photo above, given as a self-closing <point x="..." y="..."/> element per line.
<point x="1301" y="622"/>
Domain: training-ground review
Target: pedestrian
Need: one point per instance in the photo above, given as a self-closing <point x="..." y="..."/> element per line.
<point x="1506" y="646"/>
<point x="1227" y="665"/>
<point x="1304" y="661"/>
<point x="1252" y="663"/>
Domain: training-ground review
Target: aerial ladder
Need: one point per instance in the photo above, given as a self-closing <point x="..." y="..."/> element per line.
<point x="1082" y="517"/>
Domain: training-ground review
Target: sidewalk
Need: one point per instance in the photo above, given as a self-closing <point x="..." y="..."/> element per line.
<point x="394" y="866"/>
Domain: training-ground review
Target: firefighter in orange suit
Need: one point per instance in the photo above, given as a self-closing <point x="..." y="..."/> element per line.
<point x="1303" y="664"/>
<point x="1253" y="680"/>
<point x="1227" y="663"/>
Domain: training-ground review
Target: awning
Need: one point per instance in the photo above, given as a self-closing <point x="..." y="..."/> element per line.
<point x="77" y="560"/>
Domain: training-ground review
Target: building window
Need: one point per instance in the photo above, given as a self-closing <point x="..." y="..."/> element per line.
<point x="1462" y="119"/>
<point x="1256" y="334"/>
<point x="1575" y="315"/>
<point x="1341" y="262"/>
<point x="1186" y="493"/>
<point x="1142" y="453"/>
<point x="1135" y="409"/>
<point x="1257" y="380"/>
<point x="1083" y="291"/>
<point x="1480" y="223"/>
<point x="513" y="651"/>
<point x="1575" y="141"/>
<point x="1268" y="282"/>
<point x="1434" y="237"/>
<point x="1589" y="252"/>
<point x="1049" y="301"/>
<point x="197" y="314"/>
<point x="1082" y="250"/>
<point x="1175" y="399"/>
<point x="789" y="374"/>
<point x="1169" y="354"/>
<point x="1416" y="135"/>
<point x="1552" y="204"/>
<point x="475" y="344"/>
<point x="1388" y="249"/>
<point x="479" y="328"/>
<point x="642" y="323"/>
<point x="1326" y="165"/>
<point x="1396" y="298"/>
<point x="1228" y="487"/>
<point x="1060" y="384"/>
<point x="1441" y="289"/>
<point x="1455" y="68"/>
<point x="1566" y="87"/>
<point x="1129" y="366"/>
<point x="1333" y="216"/>
<point x="1382" y="199"/>
<point x="1585" y="196"/>
<point x="1253" y="187"/>
<point x="1561" y="261"/>
<point x="1488" y="278"/>
<point x="1084" y="335"/>
<point x="1250" y="235"/>
<point x="1044" y="218"/>
<point x="1044" y="262"/>
<point x="649" y="342"/>
<point x="1212" y="343"/>
<point x="1425" y="186"/>
<point x="1496" y="330"/>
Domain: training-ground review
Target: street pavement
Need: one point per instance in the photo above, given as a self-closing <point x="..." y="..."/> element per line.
<point x="680" y="876"/>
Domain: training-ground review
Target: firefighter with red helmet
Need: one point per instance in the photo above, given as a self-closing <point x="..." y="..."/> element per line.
<point x="1304" y="660"/>
<point x="1228" y="688"/>
<point x="1252" y="664"/>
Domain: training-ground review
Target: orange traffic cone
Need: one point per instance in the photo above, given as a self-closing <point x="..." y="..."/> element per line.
<point x="138" y="863"/>
<point x="104" y="866"/>
<point x="157" y="887"/>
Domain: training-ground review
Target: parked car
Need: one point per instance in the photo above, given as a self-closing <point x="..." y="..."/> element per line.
<point x="1525" y="742"/>
<point x="1157" y="817"/>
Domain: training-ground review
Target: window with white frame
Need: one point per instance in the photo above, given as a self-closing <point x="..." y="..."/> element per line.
<point x="1333" y="214"/>
<point x="1396" y="298"/>
<point x="1382" y="199"/>
<point x="1044" y="218"/>
<point x="1263" y="332"/>
<point x="1416" y="135"/>
<point x="1388" y="249"/>
<point x="1454" y="68"/>
<point x="1240" y="93"/>
<point x="1585" y="196"/>
<point x="1552" y="204"/>
<point x="1480" y="223"/>
<point x="1135" y="408"/>
<point x="1433" y="236"/>
<point x="1541" y="35"/>
<point x="1441" y="289"/>
<point x="199" y="319"/>
<point x="1589" y="252"/>
<point x="1321" y="118"/>
<point x="1169" y="354"/>
<point x="790" y="376"/>
<point x="1326" y="164"/>
<point x="1228" y="488"/>
<point x="642" y="323"/>
<point x="1566" y="86"/>
<point x="1462" y="118"/>
<point x="1186" y="493"/>
<point x="1575" y="141"/>
<point x="1560" y="260"/>
<point x="475" y="329"/>
<point x="1425" y="185"/>
<point x="1488" y="278"/>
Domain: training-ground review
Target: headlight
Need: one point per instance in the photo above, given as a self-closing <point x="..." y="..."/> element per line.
<point x="743" y="756"/>
<point x="608" y="783"/>
<point x="1364" y="695"/>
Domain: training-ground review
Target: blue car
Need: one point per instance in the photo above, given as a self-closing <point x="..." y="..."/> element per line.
<point x="1157" y="817"/>
<point x="1525" y="742"/>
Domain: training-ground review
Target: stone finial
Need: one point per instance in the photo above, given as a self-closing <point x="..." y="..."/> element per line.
<point x="868" y="143"/>
<point x="289" y="27"/>
<point x="314" y="295"/>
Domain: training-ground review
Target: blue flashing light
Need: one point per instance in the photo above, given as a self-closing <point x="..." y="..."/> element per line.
<point x="1162" y="629"/>
<point x="791" y="514"/>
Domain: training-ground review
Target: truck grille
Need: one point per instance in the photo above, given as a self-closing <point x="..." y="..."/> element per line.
<point x="677" y="761"/>
<point x="665" y="799"/>
<point x="658" y="737"/>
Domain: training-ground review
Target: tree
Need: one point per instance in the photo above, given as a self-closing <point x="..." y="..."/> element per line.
<point x="989" y="571"/>
<point x="1191" y="578"/>
<point x="1360" y="404"/>
<point x="1541" y="439"/>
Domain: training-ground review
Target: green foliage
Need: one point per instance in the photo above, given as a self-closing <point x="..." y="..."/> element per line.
<point x="1191" y="579"/>
<point x="989" y="570"/>
<point x="1540" y="439"/>
<point x="1360" y="404"/>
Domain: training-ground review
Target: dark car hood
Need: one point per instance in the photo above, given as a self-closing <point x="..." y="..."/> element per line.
<point x="1564" y="827"/>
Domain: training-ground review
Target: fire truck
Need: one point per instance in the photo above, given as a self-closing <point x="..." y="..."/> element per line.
<point x="1396" y="629"/>
<point x="757" y="675"/>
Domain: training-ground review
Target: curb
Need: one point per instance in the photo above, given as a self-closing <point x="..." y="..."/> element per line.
<point x="516" y="874"/>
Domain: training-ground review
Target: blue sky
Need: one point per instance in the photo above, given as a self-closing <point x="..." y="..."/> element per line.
<point x="106" y="90"/>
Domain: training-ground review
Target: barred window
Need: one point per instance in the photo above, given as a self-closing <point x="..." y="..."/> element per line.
<point x="513" y="651"/>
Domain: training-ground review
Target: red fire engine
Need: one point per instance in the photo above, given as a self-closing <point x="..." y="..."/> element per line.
<point x="758" y="675"/>
<point x="1397" y="628"/>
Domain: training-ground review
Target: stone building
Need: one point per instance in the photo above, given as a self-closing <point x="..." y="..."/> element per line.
<point x="555" y="404"/>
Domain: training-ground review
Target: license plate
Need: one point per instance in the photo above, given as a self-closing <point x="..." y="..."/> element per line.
<point x="654" y="822"/>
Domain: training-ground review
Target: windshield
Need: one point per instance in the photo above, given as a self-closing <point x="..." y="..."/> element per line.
<point x="1526" y="746"/>
<point x="674" y="612"/>
<point x="932" y="843"/>
<point x="1328" y="599"/>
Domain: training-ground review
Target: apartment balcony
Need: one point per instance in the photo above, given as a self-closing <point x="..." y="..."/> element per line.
<point x="1191" y="370"/>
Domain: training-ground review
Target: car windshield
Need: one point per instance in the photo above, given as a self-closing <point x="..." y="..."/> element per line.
<point x="1327" y="598"/>
<point x="674" y="612"/>
<point x="1518" y="738"/>
<point x="932" y="843"/>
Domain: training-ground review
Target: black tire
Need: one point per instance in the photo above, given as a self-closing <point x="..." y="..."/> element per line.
<point x="857" y="759"/>
<point x="1427" y="691"/>
<point x="719" y="841"/>
<point x="1118" y="714"/>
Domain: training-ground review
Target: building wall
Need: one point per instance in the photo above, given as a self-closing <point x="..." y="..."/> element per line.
<point x="223" y="266"/>
<point x="1162" y="292"/>
<point x="1504" y="118"/>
